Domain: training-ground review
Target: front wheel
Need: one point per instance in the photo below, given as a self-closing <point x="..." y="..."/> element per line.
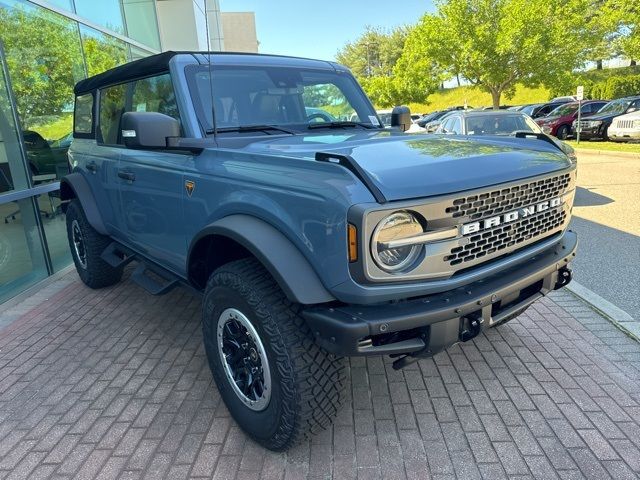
<point x="278" y="385"/>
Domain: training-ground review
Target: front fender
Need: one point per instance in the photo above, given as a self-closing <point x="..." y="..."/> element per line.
<point x="74" y="185"/>
<point x="278" y="255"/>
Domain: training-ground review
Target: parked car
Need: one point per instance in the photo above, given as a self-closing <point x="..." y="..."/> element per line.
<point x="597" y="125"/>
<point x="568" y="98"/>
<point x="625" y="128"/>
<point x="559" y="122"/>
<point x="432" y="117"/>
<point x="542" y="109"/>
<point x="308" y="241"/>
<point x="487" y="122"/>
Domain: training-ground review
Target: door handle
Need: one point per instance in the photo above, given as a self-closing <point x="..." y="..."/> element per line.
<point x="128" y="176"/>
<point x="92" y="167"/>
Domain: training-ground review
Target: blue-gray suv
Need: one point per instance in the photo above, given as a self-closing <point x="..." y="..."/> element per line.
<point x="269" y="186"/>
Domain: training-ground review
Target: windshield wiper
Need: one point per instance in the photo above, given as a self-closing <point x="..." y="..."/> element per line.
<point x="340" y="125"/>
<point x="250" y="128"/>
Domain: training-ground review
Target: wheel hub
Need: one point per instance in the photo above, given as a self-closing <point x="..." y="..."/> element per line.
<point x="244" y="359"/>
<point x="78" y="244"/>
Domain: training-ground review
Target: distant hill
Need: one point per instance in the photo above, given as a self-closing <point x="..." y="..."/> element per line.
<point x="477" y="98"/>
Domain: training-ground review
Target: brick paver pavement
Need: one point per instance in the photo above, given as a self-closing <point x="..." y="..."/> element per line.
<point x="114" y="384"/>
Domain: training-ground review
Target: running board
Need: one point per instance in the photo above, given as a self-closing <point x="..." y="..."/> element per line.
<point x="167" y="281"/>
<point x="116" y="255"/>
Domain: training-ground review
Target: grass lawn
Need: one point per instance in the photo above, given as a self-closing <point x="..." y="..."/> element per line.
<point x="612" y="146"/>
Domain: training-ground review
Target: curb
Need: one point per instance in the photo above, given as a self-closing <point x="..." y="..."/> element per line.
<point x="609" y="153"/>
<point x="615" y="315"/>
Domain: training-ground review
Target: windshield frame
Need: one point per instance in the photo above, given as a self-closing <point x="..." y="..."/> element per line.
<point x="206" y="129"/>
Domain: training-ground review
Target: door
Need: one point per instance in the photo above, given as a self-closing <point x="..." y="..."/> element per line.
<point x="151" y="183"/>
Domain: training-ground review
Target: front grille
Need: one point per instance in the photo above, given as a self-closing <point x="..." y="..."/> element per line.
<point x="505" y="236"/>
<point x="624" y="123"/>
<point x="510" y="198"/>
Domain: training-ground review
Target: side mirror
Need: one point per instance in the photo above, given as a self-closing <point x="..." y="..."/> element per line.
<point x="148" y="129"/>
<point x="401" y="118"/>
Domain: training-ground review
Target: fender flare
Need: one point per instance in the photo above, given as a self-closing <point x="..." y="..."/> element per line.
<point x="74" y="185"/>
<point x="282" y="259"/>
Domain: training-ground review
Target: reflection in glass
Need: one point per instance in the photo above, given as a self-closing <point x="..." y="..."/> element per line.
<point x="138" y="53"/>
<point x="44" y="59"/>
<point x="55" y="229"/>
<point x="101" y="51"/>
<point x="107" y="13"/>
<point x="142" y="24"/>
<point x="22" y="261"/>
<point x="12" y="172"/>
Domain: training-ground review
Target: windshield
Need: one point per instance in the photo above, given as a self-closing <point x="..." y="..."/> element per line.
<point x="278" y="96"/>
<point x="530" y="108"/>
<point x="563" y="110"/>
<point x="616" y="107"/>
<point x="500" y="125"/>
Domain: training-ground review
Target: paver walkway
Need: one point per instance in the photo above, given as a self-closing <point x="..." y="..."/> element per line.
<point x="114" y="384"/>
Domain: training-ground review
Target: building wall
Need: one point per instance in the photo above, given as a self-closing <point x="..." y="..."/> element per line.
<point x="183" y="24"/>
<point x="239" y="32"/>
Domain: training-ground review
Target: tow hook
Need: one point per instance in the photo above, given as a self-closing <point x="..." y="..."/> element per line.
<point x="470" y="327"/>
<point x="565" y="275"/>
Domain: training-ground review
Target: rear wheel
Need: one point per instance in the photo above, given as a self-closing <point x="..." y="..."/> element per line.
<point x="277" y="383"/>
<point x="86" y="246"/>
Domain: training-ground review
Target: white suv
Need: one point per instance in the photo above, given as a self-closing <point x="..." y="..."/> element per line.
<point x="625" y="128"/>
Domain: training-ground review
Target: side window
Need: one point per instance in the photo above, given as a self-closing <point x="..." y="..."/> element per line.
<point x="446" y="126"/>
<point x="456" y="128"/>
<point x="83" y="115"/>
<point x="155" y="94"/>
<point x="112" y="106"/>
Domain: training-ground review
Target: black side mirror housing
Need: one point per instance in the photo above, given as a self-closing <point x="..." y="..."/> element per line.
<point x="148" y="129"/>
<point x="401" y="118"/>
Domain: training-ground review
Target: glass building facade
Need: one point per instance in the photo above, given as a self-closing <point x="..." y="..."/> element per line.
<point x="45" y="48"/>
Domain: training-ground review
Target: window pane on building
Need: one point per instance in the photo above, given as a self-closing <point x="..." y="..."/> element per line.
<point x="44" y="59"/>
<point x="142" y="25"/>
<point x="101" y="52"/>
<point x="107" y="13"/>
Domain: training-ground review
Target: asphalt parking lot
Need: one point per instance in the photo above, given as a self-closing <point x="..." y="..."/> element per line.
<point x="114" y="384"/>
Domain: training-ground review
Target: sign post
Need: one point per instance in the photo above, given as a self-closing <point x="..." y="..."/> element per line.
<point x="579" y="96"/>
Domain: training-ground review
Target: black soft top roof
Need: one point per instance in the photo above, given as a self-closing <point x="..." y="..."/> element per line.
<point x="159" y="63"/>
<point x="139" y="68"/>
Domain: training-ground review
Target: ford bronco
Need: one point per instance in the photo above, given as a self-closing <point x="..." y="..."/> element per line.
<point x="269" y="186"/>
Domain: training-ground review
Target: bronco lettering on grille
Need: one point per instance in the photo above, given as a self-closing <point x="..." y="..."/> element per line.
<point x="490" y="222"/>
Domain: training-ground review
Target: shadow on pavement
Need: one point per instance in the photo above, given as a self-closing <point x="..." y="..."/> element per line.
<point x="586" y="198"/>
<point x="608" y="262"/>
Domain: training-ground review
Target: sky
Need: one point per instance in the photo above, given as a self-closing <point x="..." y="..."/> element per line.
<point x="318" y="29"/>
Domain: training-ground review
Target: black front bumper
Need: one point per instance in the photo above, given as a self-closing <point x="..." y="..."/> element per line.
<point x="427" y="325"/>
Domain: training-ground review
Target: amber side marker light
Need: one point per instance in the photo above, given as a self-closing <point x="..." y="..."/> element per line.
<point x="353" y="242"/>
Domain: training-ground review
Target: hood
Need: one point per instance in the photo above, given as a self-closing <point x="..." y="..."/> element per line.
<point x="412" y="166"/>
<point x="604" y="116"/>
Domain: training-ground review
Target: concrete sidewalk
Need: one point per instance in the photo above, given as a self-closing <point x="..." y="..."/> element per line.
<point x="114" y="384"/>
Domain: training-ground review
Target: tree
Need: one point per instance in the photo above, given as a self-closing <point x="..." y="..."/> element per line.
<point x="496" y="44"/>
<point x="374" y="53"/>
<point x="623" y="20"/>
<point x="372" y="58"/>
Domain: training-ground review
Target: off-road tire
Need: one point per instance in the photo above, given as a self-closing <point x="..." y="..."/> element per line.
<point x="307" y="383"/>
<point x="563" y="132"/>
<point x="97" y="273"/>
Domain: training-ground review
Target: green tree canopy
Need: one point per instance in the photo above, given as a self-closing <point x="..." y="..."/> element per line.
<point x="496" y="43"/>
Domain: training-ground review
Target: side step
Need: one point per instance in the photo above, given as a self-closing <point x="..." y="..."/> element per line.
<point x="117" y="255"/>
<point x="163" y="283"/>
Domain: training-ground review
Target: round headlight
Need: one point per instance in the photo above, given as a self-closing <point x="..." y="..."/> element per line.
<point x="396" y="226"/>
